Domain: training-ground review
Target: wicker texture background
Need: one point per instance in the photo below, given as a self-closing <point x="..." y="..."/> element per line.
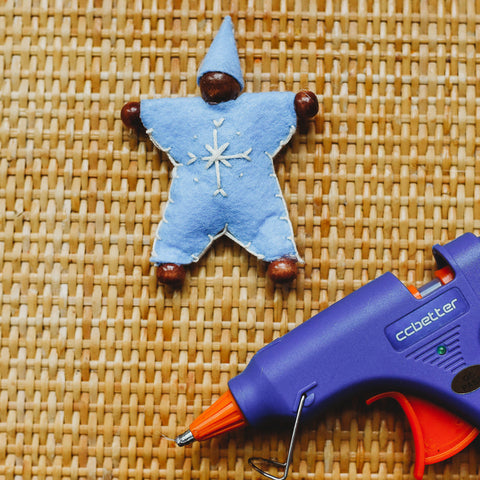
<point x="96" y="360"/>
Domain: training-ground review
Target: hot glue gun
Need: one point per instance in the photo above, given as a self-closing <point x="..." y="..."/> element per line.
<point x="420" y="347"/>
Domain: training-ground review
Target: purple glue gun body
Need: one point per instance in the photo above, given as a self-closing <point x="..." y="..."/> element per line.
<point x="376" y="339"/>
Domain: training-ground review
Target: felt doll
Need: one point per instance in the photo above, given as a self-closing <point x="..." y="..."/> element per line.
<point x="222" y="147"/>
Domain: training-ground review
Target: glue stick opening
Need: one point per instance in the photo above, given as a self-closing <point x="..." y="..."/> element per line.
<point x="442" y="277"/>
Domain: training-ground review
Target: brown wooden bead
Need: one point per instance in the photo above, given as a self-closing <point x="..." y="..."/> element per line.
<point x="306" y="104"/>
<point x="283" y="270"/>
<point x="171" y="274"/>
<point x="130" y="116"/>
<point x="217" y="87"/>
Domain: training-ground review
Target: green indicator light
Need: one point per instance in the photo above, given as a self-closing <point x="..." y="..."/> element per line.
<point x="441" y="349"/>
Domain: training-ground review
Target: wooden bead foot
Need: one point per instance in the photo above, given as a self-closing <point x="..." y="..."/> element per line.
<point x="171" y="274"/>
<point x="283" y="270"/>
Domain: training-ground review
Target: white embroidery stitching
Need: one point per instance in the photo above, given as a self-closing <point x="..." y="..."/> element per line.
<point x="271" y="156"/>
<point x="216" y="157"/>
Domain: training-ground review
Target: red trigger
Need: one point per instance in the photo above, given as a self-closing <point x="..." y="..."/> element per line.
<point x="437" y="433"/>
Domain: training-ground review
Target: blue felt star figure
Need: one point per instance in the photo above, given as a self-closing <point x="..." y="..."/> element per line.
<point x="222" y="149"/>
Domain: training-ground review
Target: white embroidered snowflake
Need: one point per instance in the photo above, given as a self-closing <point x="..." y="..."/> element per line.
<point x="217" y="157"/>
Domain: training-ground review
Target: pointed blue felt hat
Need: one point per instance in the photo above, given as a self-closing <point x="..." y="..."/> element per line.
<point x="222" y="56"/>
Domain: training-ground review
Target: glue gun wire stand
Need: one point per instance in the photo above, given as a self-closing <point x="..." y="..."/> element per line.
<point x="396" y="341"/>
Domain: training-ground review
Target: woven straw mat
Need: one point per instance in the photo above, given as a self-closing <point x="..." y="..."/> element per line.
<point x="97" y="361"/>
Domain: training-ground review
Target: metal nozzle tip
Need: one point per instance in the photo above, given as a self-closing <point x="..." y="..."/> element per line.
<point x="185" y="438"/>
